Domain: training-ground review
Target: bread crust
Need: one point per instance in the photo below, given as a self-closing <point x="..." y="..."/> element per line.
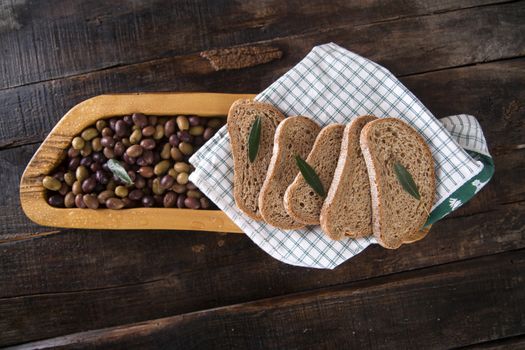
<point x="378" y="205"/>
<point x="240" y="157"/>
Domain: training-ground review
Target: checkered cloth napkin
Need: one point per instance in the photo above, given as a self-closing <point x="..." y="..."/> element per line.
<point x="334" y="85"/>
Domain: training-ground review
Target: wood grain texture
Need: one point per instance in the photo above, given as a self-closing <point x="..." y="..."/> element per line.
<point x="115" y="277"/>
<point x="407" y="46"/>
<point x="52" y="152"/>
<point x="368" y="314"/>
<point x="52" y="39"/>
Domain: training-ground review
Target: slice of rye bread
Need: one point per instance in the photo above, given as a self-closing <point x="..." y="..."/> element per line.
<point x="397" y="217"/>
<point x="248" y="177"/>
<point x="294" y="136"/>
<point x="301" y="202"/>
<point x="347" y="209"/>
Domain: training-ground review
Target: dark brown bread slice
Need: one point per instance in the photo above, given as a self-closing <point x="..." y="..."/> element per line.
<point x="248" y="177"/>
<point x="294" y="136"/>
<point x="397" y="217"/>
<point x="347" y="209"/>
<point x="301" y="202"/>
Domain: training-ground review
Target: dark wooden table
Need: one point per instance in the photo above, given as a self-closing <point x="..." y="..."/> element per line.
<point x="462" y="286"/>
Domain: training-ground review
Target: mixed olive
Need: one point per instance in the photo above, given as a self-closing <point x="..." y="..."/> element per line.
<point x="152" y="150"/>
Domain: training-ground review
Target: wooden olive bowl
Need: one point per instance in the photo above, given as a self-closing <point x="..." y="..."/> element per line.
<point x="52" y="152"/>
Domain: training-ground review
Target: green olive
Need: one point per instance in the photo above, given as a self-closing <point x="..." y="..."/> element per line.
<point x="159" y="132"/>
<point x="89" y="134"/>
<point x="121" y="191"/>
<point x="161" y="167"/>
<point x="69" y="178"/>
<point x="135" y="137"/>
<point x="51" y="183"/>
<point x="101" y="124"/>
<point x="78" y="143"/>
<point x="82" y="173"/>
<point x="156" y="187"/>
<point x="182" y="178"/>
<point x="196" y="130"/>
<point x="186" y="148"/>
<point x="165" y="153"/>
<point x="194" y="194"/>
<point x="77" y="187"/>
<point x="172" y="173"/>
<point x="182" y="167"/>
<point x="183" y="123"/>
<point x="96" y="145"/>
<point x="215" y="123"/>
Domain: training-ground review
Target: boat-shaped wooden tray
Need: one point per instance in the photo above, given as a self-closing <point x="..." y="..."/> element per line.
<point x="52" y="152"/>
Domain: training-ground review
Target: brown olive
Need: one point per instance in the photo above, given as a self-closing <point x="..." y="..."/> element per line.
<point x="184" y="136"/>
<point x="146" y="171"/>
<point x="161" y="167"/>
<point x="172" y="173"/>
<point x="77" y="187"/>
<point x="194" y="120"/>
<point x="205" y="203"/>
<point x="170" y="127"/>
<point x="148" y="201"/>
<point x="121" y="191"/>
<point x="159" y="132"/>
<point x="107" y="141"/>
<point x="64" y="189"/>
<point x="79" y="201"/>
<point x="186" y="148"/>
<point x="72" y="153"/>
<point x="89" y="134"/>
<point x="51" y="183"/>
<point x="101" y="124"/>
<point x="140" y="182"/>
<point x="191" y="186"/>
<point x="108" y="153"/>
<point x="182" y="178"/>
<point x="105" y="195"/>
<point x="194" y="194"/>
<point x="107" y="132"/>
<point x="166" y="181"/>
<point x="96" y="144"/>
<point x="180" y="201"/>
<point x="136" y="194"/>
<point x="152" y="119"/>
<point x="215" y="123"/>
<point x="192" y="203"/>
<point x="139" y="119"/>
<point x="111" y="185"/>
<point x="134" y="151"/>
<point x="128" y="120"/>
<point x="91" y="201"/>
<point x="102" y="177"/>
<point x="88" y="185"/>
<point x="208" y="133"/>
<point x="176" y="154"/>
<point x="128" y="203"/>
<point x="178" y="188"/>
<point x="69" y="200"/>
<point x="148" y="144"/>
<point x="121" y="128"/>
<point x="148" y="131"/>
<point x="73" y="163"/>
<point x="183" y="122"/>
<point x="114" y="203"/>
<point x="170" y="199"/>
<point x="126" y="142"/>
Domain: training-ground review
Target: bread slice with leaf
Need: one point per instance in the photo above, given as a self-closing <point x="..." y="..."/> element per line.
<point x="294" y="137"/>
<point x="251" y="128"/>
<point x="402" y="181"/>
<point x="347" y="211"/>
<point x="302" y="201"/>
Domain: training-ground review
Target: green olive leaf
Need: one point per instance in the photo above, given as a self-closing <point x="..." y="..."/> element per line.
<point x="406" y="181"/>
<point x="254" y="139"/>
<point x="118" y="170"/>
<point x="310" y="176"/>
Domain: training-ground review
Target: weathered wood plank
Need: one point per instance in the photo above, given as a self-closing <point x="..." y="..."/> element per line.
<point x="406" y="46"/>
<point x="52" y="39"/>
<point x="114" y="276"/>
<point x="435" y="308"/>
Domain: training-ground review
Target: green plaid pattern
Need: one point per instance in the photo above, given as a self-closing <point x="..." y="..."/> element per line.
<point x="334" y="85"/>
